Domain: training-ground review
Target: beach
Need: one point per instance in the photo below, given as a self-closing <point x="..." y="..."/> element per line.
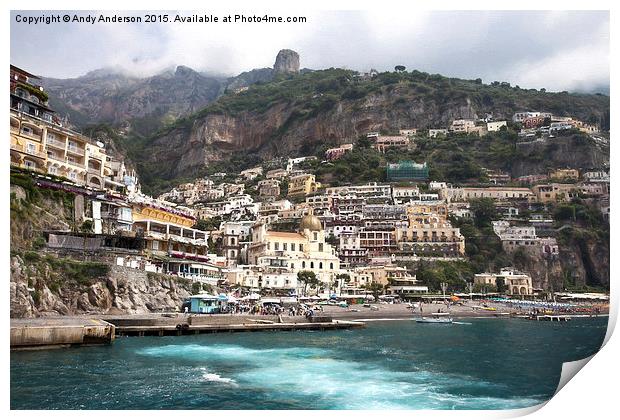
<point x="402" y="310"/>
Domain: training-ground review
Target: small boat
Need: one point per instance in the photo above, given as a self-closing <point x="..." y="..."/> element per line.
<point x="437" y="318"/>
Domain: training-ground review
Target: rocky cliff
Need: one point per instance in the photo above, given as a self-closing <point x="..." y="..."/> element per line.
<point x="296" y="114"/>
<point x="287" y="61"/>
<point x="46" y="286"/>
<point x="575" y="151"/>
<point x="43" y="283"/>
<point x="582" y="262"/>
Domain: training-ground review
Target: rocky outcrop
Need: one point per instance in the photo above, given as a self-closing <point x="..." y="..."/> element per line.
<point x="33" y="212"/>
<point x="576" y="151"/>
<point x="287" y="61"/>
<point x="583" y="261"/>
<point x="36" y="290"/>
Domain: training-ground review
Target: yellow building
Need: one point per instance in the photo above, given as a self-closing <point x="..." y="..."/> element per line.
<point x="303" y="184"/>
<point x="562" y="174"/>
<point x="439" y="208"/>
<point x="554" y="193"/>
<point x="40" y="143"/>
<point x="430" y="234"/>
<point x="512" y="281"/>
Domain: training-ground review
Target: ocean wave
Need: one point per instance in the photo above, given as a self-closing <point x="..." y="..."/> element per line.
<point x="214" y="377"/>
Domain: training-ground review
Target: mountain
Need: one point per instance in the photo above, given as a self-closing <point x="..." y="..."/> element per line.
<point x="300" y="113"/>
<point x="144" y="104"/>
<point x="113" y="97"/>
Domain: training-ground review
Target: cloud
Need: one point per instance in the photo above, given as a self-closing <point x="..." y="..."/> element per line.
<point x="553" y="49"/>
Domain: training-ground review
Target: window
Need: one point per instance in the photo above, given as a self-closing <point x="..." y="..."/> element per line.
<point x="303" y="264"/>
<point x="311" y="264"/>
<point x="320" y="266"/>
<point x="53" y="170"/>
<point x="285" y="246"/>
<point x="29" y="164"/>
<point x="301" y="247"/>
<point x="31" y="148"/>
<point x="315" y="235"/>
<point x="292" y="247"/>
<point x="331" y="266"/>
<point x="292" y="265"/>
<point x="51" y="136"/>
<point x="277" y="246"/>
<point x="73" y="176"/>
<point x="232" y="241"/>
<point x="320" y="247"/>
<point x="155" y="246"/>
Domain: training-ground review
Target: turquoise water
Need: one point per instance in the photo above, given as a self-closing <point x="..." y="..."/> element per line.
<point x="480" y="364"/>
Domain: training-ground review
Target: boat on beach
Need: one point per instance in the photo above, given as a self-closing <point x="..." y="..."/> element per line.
<point x="436" y="318"/>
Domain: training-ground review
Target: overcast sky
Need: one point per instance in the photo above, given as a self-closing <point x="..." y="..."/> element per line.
<point x="556" y="50"/>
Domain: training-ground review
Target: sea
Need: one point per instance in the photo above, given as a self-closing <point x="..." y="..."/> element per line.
<point x="398" y="364"/>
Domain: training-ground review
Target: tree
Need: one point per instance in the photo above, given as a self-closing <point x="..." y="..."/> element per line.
<point x="399" y="68"/>
<point x="374" y="288"/>
<point x="307" y="278"/>
<point x="208" y="224"/>
<point x="341" y="280"/>
<point x="484" y="211"/>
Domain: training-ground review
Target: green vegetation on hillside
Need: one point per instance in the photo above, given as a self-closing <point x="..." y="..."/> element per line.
<point x="319" y="94"/>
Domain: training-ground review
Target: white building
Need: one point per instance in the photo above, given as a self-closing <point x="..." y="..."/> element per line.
<point x="437" y="132"/>
<point x="291" y="252"/>
<point x="495" y="125"/>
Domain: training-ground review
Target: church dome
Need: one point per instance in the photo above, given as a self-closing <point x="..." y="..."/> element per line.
<point x="310" y="222"/>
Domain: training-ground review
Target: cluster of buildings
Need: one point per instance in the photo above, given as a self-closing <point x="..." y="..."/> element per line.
<point x="348" y="236"/>
<point x="535" y="123"/>
<point x="532" y="124"/>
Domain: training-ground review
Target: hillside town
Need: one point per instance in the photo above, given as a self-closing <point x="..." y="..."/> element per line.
<point x="276" y="230"/>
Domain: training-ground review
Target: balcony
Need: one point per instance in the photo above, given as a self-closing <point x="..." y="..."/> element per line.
<point x="30" y="134"/>
<point x="79" y="151"/>
<point x="30" y="151"/>
<point x="66" y="161"/>
<point x="94" y="171"/>
<point x="55" y="143"/>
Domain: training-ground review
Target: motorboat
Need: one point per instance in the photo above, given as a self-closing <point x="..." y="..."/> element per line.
<point x="436" y="318"/>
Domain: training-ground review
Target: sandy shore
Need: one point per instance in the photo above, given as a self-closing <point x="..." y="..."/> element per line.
<point x="401" y="311"/>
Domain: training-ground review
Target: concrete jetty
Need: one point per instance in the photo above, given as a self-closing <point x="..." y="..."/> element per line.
<point x="60" y="332"/>
<point x="101" y="329"/>
<point x="199" y="324"/>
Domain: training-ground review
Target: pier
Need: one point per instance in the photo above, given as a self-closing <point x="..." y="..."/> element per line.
<point x="201" y="324"/>
<point x="60" y="332"/>
<point x="72" y="331"/>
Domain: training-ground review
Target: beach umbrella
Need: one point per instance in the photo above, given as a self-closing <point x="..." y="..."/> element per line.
<point x="454" y="298"/>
